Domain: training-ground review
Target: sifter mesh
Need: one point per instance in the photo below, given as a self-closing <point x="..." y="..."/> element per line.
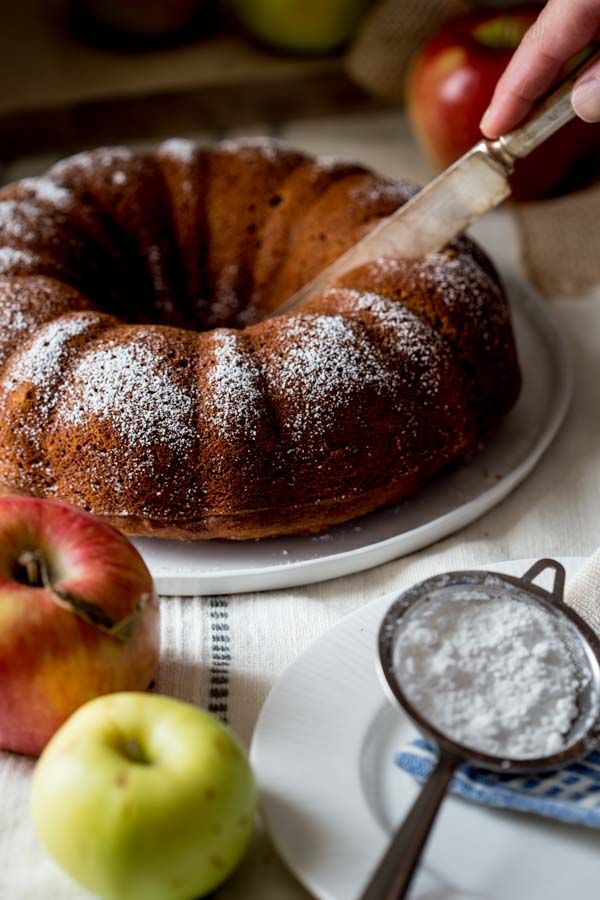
<point x="481" y="587"/>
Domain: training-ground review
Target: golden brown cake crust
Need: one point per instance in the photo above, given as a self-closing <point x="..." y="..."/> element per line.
<point x="231" y="425"/>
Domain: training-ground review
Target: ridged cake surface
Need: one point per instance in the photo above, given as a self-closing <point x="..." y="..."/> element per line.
<point x="141" y="379"/>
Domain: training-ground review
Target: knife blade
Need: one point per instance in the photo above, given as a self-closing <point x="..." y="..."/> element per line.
<point x="470" y="187"/>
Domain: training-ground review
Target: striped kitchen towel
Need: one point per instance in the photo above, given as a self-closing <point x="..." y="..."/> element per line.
<point x="569" y="795"/>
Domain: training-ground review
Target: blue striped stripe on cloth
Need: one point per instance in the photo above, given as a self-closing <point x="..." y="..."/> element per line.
<point x="569" y="795"/>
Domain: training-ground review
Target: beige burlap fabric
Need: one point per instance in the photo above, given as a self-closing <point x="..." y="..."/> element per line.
<point x="561" y="241"/>
<point x="560" y="237"/>
<point x="392" y="32"/>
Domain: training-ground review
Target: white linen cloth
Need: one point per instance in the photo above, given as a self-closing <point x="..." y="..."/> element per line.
<point x="555" y="512"/>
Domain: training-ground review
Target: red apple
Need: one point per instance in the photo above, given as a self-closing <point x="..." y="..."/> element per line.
<point x="452" y="81"/>
<point x="78" y="617"/>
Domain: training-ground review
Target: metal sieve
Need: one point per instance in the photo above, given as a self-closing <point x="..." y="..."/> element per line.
<point x="393" y="875"/>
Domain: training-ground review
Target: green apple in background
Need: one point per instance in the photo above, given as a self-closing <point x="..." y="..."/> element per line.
<point x="304" y="26"/>
<point x="141" y="797"/>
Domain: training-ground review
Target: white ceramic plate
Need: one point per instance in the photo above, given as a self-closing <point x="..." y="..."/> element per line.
<point x="450" y="502"/>
<point x="323" y="754"/>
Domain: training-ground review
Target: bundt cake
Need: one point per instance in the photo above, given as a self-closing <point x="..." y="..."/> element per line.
<point x="143" y="377"/>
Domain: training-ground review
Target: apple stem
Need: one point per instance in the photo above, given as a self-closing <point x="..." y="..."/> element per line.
<point x="30" y="561"/>
<point x="134" y="751"/>
<point x="36" y="570"/>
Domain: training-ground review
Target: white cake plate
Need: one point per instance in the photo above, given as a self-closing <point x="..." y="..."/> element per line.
<point x="449" y="503"/>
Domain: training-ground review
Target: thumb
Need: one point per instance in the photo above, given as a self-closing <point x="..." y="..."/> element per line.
<point x="586" y="95"/>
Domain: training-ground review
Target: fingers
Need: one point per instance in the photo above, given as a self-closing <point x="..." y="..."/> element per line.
<point x="562" y="29"/>
<point x="586" y="95"/>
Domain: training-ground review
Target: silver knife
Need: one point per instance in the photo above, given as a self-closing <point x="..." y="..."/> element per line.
<point x="470" y="187"/>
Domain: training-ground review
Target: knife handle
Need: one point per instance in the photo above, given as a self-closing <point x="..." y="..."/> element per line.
<point x="554" y="112"/>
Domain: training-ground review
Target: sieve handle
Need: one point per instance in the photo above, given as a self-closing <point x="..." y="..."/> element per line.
<point x="392" y="877"/>
<point x="558" y="588"/>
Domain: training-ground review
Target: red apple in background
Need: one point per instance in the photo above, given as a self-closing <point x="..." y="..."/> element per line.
<point x="78" y="617"/>
<point x="452" y="81"/>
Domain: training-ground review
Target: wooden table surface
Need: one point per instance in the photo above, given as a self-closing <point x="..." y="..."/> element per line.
<point x="59" y="92"/>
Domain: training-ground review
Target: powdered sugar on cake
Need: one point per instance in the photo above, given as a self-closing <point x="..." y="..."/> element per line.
<point x="179" y="148"/>
<point x="88" y="161"/>
<point x="460" y="280"/>
<point x="128" y="386"/>
<point x="269" y="148"/>
<point x="38" y="366"/>
<point x="235" y="398"/>
<point x="14" y="320"/>
<point x="327" y="357"/>
<point x="417" y="343"/>
<point x="43" y="359"/>
<point x="47" y="191"/>
<point x="11" y="259"/>
<point x="14" y="224"/>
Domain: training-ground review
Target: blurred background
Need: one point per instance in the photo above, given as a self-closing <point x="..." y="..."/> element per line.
<point x="78" y="73"/>
<point x="398" y="84"/>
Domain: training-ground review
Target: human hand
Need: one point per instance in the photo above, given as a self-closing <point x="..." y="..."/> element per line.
<point x="563" y="28"/>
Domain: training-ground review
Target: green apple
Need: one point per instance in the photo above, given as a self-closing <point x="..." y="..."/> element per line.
<point x="306" y="26"/>
<point x="141" y="797"/>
